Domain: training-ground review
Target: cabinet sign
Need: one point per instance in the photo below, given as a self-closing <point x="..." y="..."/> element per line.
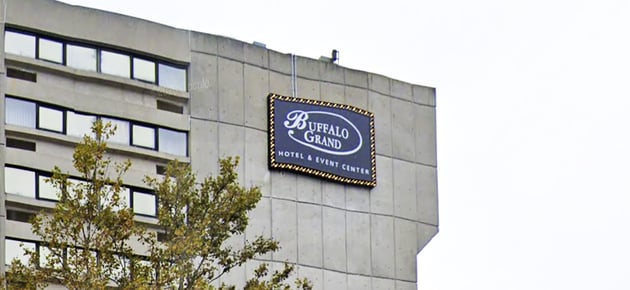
<point x="324" y="139"/>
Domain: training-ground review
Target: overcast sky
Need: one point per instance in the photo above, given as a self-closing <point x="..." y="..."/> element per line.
<point x="533" y="116"/>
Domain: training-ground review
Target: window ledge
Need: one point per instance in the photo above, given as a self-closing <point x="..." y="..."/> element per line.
<point x="35" y="134"/>
<point x="30" y="63"/>
<point x="34" y="205"/>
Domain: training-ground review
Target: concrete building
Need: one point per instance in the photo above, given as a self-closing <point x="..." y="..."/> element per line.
<point x="196" y="97"/>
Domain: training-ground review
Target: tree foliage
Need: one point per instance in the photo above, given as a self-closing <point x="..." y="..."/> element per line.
<point x="89" y="240"/>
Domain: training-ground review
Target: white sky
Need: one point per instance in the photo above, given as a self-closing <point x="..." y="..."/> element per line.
<point x="533" y="103"/>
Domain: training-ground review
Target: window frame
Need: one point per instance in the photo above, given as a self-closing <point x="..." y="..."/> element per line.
<point x="65" y="123"/>
<point x="21" y="100"/>
<point x="23" y="32"/>
<point x="133" y="191"/>
<point x="35" y="181"/>
<point x="55" y="108"/>
<point x="65" y="42"/>
<point x="97" y="66"/>
<point x="53" y="39"/>
<point x="129" y="190"/>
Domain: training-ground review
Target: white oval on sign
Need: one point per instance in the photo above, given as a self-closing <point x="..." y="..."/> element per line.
<point x="323" y="137"/>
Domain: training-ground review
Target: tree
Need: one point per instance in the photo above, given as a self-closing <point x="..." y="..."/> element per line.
<point x="87" y="237"/>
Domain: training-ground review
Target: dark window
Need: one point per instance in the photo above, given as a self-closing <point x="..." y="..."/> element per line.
<point x="21" y="74"/>
<point x="165" y="106"/>
<point x="21" y="144"/>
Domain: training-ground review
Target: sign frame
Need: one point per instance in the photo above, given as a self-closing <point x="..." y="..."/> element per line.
<point x="301" y="168"/>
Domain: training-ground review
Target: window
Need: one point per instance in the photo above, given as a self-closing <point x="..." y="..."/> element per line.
<point x="123" y="194"/>
<point x="50" y="119"/>
<point x="13" y="250"/>
<point x="76" y="186"/>
<point x="20" y="44"/>
<point x="81" y="57"/>
<point x="57" y="260"/>
<point x="115" y="64"/>
<point x="50" y="50"/>
<point x="46" y="117"/>
<point x="121" y="136"/>
<point x="144" y="203"/>
<point x="143" y="136"/>
<point x="143" y="70"/>
<point x="172" y="142"/>
<point x="20" y="113"/>
<point x="79" y="125"/>
<point x="85" y="57"/>
<point x="172" y="77"/>
<point x="19" y="181"/>
<point x="46" y="190"/>
<point x="125" y="197"/>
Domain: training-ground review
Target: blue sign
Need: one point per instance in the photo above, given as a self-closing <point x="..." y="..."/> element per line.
<point x="324" y="139"/>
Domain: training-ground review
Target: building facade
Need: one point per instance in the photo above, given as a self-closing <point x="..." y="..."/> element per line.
<point x="196" y="97"/>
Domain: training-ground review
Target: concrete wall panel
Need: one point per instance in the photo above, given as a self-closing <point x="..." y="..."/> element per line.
<point x="203" y="42"/>
<point x="279" y="84"/>
<point x="332" y="93"/>
<point x="357" y="97"/>
<point x="403" y="285"/>
<point x="426" y="152"/>
<point x="256" y="154"/>
<point x="231" y="48"/>
<point x="256" y="55"/>
<point x="382" y="239"/>
<point x="405" y="204"/>
<point x="427" y="194"/>
<point x="204" y="145"/>
<point x="358" y="243"/>
<point x="283" y="184"/>
<point x="231" y="98"/>
<point x="232" y="144"/>
<point x="379" y="84"/>
<point x="330" y="72"/>
<point x="334" y="194"/>
<point x="425" y="234"/>
<point x="310" y="189"/>
<point x="256" y="91"/>
<point x="356" y="78"/>
<point x="334" y="225"/>
<point x="356" y="282"/>
<point x="382" y="284"/>
<point x="406" y="235"/>
<point x="284" y="229"/>
<point x="315" y="275"/>
<point x="357" y="199"/>
<point x="401" y="90"/>
<point x="335" y="280"/>
<point x="307" y="68"/>
<point x="424" y="95"/>
<point x="403" y="130"/>
<point x="260" y="223"/>
<point x="203" y="87"/>
<point x="382" y="196"/>
<point x="381" y="106"/>
<point x="308" y="89"/>
<point x="280" y="62"/>
<point x="309" y="234"/>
